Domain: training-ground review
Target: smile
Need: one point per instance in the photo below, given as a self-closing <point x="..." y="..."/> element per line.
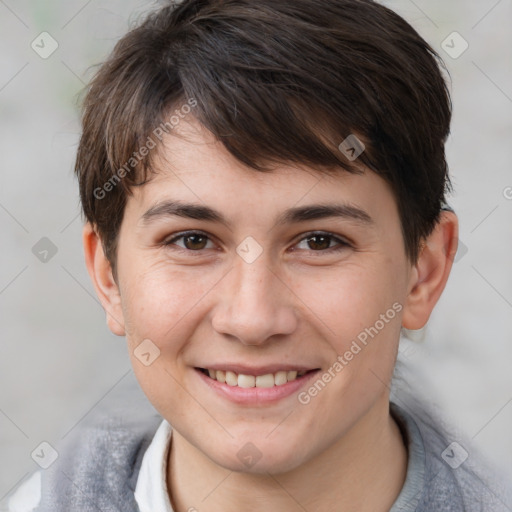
<point x="241" y="380"/>
<point x="243" y="387"/>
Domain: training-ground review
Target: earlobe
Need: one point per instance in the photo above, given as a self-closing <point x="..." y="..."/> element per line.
<point x="100" y="271"/>
<point x="431" y="272"/>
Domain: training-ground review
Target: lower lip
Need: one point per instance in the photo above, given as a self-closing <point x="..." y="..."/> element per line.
<point x="255" y="395"/>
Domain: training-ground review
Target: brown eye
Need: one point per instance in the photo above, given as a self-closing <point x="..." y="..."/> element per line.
<point x="195" y="242"/>
<point x="322" y="242"/>
<point x="190" y="241"/>
<point x="319" y="242"/>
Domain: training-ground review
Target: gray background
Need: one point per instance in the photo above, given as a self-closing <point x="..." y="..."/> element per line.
<point x="58" y="359"/>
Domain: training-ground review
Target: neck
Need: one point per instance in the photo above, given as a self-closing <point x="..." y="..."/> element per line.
<point x="364" y="470"/>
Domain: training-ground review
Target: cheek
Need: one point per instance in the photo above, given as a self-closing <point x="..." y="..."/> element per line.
<point x="161" y="304"/>
<point x="160" y="300"/>
<point x="359" y="309"/>
<point x="350" y="298"/>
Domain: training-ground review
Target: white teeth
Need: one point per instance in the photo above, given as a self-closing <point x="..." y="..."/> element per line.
<point x="292" y="375"/>
<point x="263" y="381"/>
<point x="268" y="380"/>
<point x="281" y="378"/>
<point x="246" y="381"/>
<point x="231" y="379"/>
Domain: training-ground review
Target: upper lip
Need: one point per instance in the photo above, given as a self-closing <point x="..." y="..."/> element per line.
<point x="257" y="370"/>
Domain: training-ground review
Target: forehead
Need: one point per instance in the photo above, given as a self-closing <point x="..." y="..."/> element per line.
<point x="193" y="167"/>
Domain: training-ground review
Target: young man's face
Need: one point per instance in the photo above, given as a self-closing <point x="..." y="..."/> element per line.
<point x="254" y="295"/>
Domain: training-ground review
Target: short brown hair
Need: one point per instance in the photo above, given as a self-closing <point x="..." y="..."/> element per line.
<point x="276" y="81"/>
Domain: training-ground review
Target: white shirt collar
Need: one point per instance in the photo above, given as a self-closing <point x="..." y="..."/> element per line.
<point x="151" y="492"/>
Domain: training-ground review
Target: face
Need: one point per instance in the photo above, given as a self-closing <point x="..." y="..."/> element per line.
<point x="224" y="268"/>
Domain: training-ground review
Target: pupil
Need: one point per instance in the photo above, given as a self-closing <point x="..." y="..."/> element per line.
<point x="324" y="244"/>
<point x="196" y="241"/>
<point x="316" y="242"/>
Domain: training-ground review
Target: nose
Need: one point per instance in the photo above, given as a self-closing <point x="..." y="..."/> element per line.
<point x="254" y="304"/>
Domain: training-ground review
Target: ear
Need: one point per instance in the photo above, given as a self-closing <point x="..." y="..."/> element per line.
<point x="430" y="274"/>
<point x="100" y="270"/>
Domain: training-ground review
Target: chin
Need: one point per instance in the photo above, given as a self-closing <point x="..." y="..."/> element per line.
<point x="249" y="459"/>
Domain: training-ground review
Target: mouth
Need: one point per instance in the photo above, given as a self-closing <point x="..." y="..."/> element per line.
<point x="249" y="380"/>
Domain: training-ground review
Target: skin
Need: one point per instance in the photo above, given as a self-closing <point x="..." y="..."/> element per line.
<point x="299" y="303"/>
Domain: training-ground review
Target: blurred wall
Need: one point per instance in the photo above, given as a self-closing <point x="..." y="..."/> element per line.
<point x="58" y="359"/>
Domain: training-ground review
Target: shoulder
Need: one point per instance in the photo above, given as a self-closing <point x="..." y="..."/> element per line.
<point x="100" y="462"/>
<point x="454" y="476"/>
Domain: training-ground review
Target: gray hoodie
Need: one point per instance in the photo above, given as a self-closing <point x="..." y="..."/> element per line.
<point x="98" y="467"/>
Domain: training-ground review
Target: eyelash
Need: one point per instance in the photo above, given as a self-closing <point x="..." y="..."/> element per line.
<point x="342" y="244"/>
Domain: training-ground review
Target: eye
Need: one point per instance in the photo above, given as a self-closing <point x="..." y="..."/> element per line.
<point x="192" y="241"/>
<point x="196" y="241"/>
<point x="321" y="242"/>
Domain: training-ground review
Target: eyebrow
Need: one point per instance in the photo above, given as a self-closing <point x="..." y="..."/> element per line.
<point x="170" y="208"/>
